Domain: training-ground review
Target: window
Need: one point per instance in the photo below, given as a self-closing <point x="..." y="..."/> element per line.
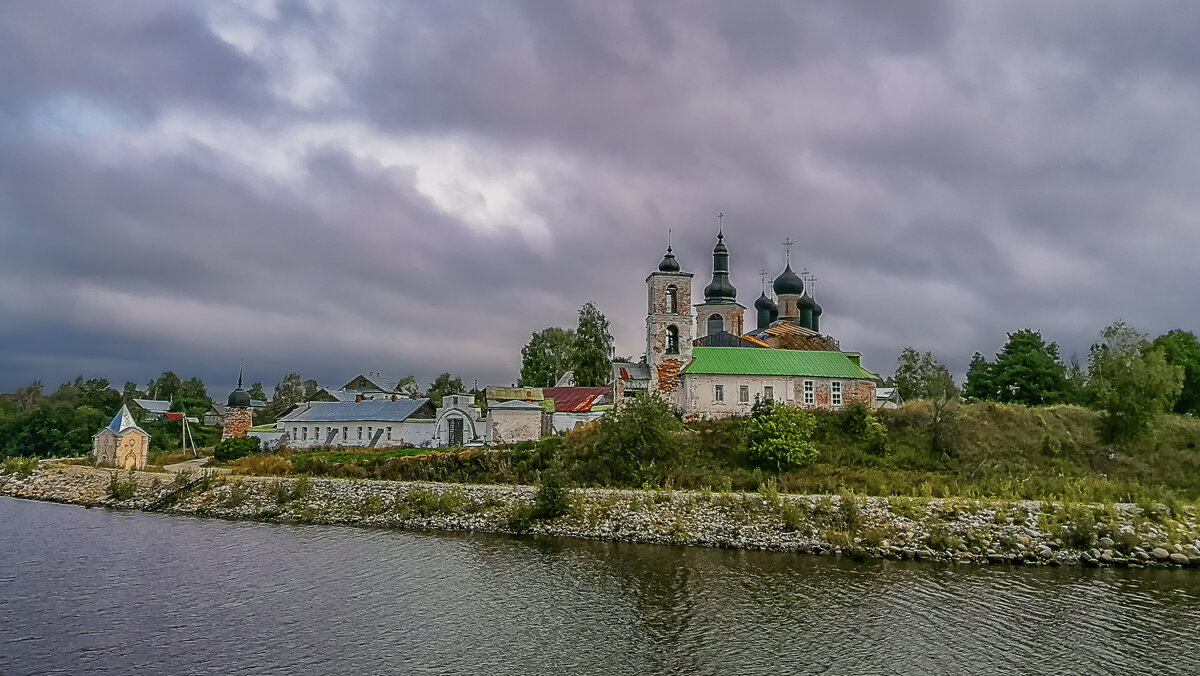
<point x="768" y="392"/>
<point x="672" y="299"/>
<point x="744" y="394"/>
<point x="715" y="324"/>
<point x="389" y="433"/>
<point x="718" y="394"/>
<point x="345" y="433"/>
<point x="316" y="433"/>
<point x="304" y="433"/>
<point x="672" y="340"/>
<point x="835" y="393"/>
<point x="809" y="399"/>
<point x="360" y="433"/>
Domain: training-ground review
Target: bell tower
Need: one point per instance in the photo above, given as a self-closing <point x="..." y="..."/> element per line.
<point x="720" y="310"/>
<point x="669" y="326"/>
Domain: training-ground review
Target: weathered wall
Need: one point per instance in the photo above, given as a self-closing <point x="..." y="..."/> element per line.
<point x="313" y="435"/>
<point x="698" y="393"/>
<point x="104" y="447"/>
<point x="512" y="426"/>
<point x="660" y="318"/>
<point x="237" y="421"/>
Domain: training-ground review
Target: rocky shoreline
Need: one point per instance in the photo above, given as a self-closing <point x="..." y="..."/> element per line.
<point x="949" y="530"/>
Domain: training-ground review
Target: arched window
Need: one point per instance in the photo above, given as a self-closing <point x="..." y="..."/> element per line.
<point x="672" y="299"/>
<point x="672" y="340"/>
<point x="715" y="324"/>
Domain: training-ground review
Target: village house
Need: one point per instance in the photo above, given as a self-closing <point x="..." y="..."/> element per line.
<point x="723" y="370"/>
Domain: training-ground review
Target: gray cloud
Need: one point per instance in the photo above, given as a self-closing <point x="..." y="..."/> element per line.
<point x="415" y="187"/>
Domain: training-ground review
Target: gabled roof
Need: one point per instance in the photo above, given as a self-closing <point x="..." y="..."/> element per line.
<point x="123" y="422"/>
<point x="153" y="405"/>
<point x="576" y="399"/>
<point x="371" y="409"/>
<point x="515" y="405"/>
<point x="758" y="361"/>
<point x="219" y="409"/>
<point x="631" y="371"/>
<point x="383" y="384"/>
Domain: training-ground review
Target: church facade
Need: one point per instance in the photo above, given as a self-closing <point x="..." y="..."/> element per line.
<point x="703" y="360"/>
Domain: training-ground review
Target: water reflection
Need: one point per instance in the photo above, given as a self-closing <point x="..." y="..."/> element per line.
<point x="91" y="591"/>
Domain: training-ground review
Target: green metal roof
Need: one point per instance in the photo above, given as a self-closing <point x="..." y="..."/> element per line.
<point x="758" y="361"/>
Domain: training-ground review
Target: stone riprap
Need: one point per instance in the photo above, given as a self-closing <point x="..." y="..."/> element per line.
<point x="987" y="532"/>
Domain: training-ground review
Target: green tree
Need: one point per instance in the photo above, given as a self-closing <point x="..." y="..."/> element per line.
<point x="1130" y="383"/>
<point x="1028" y="371"/>
<point x="256" y="392"/>
<point x="31" y="396"/>
<point x="94" y="393"/>
<point x="779" y="436"/>
<point x="1180" y="348"/>
<point x="288" y="391"/>
<point x="920" y="376"/>
<point x="164" y="387"/>
<point x="591" y="359"/>
<point x="131" y="392"/>
<point x="442" y="385"/>
<point x="311" y="387"/>
<point x="548" y="355"/>
<point x="980" y="383"/>
<point x="43" y="433"/>
<point x="636" y="443"/>
<point x="409" y="387"/>
<point x="191" y="397"/>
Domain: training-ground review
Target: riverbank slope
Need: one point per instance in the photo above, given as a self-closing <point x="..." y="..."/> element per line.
<point x="978" y="531"/>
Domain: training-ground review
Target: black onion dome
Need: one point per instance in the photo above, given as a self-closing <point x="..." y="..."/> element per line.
<point x="765" y="303"/>
<point x="807" y="301"/>
<point x="788" y="283"/>
<point x="721" y="290"/>
<point x="669" y="264"/>
<point x="239" y="398"/>
<point x="816" y="309"/>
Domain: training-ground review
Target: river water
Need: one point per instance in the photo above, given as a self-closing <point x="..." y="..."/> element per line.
<point x="88" y="591"/>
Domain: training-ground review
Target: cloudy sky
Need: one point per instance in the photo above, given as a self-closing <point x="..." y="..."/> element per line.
<point x="414" y="187"/>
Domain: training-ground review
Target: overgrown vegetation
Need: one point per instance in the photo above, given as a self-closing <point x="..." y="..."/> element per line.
<point x="122" y="488"/>
<point x="236" y="447"/>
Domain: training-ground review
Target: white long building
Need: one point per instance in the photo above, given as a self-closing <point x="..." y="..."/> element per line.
<point x="366" y="423"/>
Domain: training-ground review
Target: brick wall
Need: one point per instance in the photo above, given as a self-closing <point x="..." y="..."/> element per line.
<point x="237" y="421"/>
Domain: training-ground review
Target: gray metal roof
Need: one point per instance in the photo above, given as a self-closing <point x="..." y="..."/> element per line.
<point x="153" y="405"/>
<point x="371" y="409"/>
<point x="124" y="421"/>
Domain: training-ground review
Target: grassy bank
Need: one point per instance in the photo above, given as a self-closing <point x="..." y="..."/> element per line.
<point x="989" y="451"/>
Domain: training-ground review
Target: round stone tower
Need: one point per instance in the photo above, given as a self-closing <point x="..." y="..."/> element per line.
<point x="239" y="416"/>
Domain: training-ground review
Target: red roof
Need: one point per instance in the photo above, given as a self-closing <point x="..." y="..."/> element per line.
<point x="574" y="399"/>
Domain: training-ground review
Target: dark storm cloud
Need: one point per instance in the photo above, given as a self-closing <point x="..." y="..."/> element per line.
<point x="415" y="187"/>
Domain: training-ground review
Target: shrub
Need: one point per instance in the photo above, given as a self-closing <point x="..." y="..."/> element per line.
<point x="122" y="489"/>
<point x="553" y="497"/>
<point x="237" y="447"/>
<point x="630" y="446"/>
<point x="19" y="467"/>
<point x="779" y="436"/>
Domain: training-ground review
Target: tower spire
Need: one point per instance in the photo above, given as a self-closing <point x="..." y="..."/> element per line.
<point x="240" y="367"/>
<point x="787" y="249"/>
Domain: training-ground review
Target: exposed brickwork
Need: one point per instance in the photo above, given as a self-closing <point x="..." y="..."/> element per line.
<point x="237" y="421"/>
<point x="667" y="375"/>
<point x="860" y="390"/>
